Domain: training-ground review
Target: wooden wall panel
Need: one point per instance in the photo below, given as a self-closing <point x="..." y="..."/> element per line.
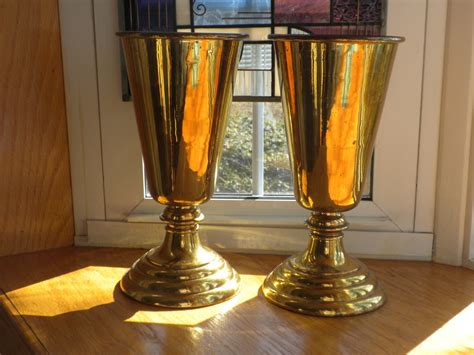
<point x="35" y="187"/>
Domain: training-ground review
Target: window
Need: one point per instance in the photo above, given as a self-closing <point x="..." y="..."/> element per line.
<point x="105" y="150"/>
<point x="255" y="159"/>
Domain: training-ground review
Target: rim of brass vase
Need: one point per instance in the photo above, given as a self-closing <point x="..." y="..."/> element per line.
<point x="329" y="110"/>
<point x="170" y="75"/>
<point x="336" y="38"/>
<point x="182" y="35"/>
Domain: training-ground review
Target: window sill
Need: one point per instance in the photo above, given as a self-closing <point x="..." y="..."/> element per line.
<point x="269" y="213"/>
<point x="263" y="239"/>
<point x="275" y="221"/>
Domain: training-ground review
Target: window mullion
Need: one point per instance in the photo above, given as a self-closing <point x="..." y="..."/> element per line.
<point x="258" y="128"/>
<point x="257" y="149"/>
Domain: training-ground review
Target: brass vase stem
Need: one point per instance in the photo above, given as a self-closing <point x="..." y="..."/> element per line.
<point x="325" y="245"/>
<point x="182" y="238"/>
<point x="181" y="272"/>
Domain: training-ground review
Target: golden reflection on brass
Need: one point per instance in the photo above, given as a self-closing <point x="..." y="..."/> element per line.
<point x="182" y="89"/>
<point x="333" y="90"/>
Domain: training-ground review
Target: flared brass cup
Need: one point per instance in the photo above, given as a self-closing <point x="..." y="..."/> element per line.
<point x="333" y="90"/>
<point x="182" y="87"/>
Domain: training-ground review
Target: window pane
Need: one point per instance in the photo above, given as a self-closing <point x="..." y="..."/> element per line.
<point x="347" y="17"/>
<point x="363" y="11"/>
<point x="146" y="15"/>
<point x="235" y="168"/>
<point x="256" y="56"/>
<point x="277" y="173"/>
<point x="302" y="11"/>
<point x="231" y="12"/>
<point x="253" y="83"/>
<point x="254" y="77"/>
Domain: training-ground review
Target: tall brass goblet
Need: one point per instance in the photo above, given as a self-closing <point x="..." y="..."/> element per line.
<point x="182" y="89"/>
<point x="333" y="90"/>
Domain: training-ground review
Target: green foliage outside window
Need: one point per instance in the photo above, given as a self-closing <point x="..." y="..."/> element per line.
<point x="235" y="170"/>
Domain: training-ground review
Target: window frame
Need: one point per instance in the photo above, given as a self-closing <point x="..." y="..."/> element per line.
<point x="454" y="218"/>
<point x="107" y="175"/>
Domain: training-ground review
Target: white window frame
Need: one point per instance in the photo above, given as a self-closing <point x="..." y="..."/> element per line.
<point x="454" y="218"/>
<point x="107" y="176"/>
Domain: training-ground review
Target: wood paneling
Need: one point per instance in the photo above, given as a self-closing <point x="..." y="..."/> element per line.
<point x="35" y="187"/>
<point x="69" y="299"/>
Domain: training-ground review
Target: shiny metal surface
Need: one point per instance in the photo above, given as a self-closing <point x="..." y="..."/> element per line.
<point x="333" y="90"/>
<point x="182" y="89"/>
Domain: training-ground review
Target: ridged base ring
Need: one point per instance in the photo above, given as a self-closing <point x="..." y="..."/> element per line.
<point x="181" y="272"/>
<point x="323" y="291"/>
<point x="194" y="284"/>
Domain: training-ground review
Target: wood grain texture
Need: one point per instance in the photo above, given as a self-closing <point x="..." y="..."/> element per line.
<point x="70" y="300"/>
<point x="35" y="187"/>
<point x="16" y="336"/>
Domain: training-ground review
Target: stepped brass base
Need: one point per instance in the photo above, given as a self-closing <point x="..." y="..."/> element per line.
<point x="324" y="281"/>
<point x="323" y="292"/>
<point x="188" y="287"/>
<point x="181" y="273"/>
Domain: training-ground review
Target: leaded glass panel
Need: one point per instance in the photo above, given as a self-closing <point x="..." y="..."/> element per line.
<point x="231" y="12"/>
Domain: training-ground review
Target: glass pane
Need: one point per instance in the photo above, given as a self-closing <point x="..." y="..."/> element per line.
<point x="231" y="12"/>
<point x="360" y="11"/>
<point x="254" y="77"/>
<point x="235" y="168"/>
<point x="302" y="11"/>
<point x="183" y="11"/>
<point x="253" y="83"/>
<point x="256" y="57"/>
<point x="277" y="173"/>
<point x="146" y="15"/>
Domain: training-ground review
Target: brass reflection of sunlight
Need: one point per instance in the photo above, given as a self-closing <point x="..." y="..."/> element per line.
<point x="197" y="109"/>
<point x="249" y="287"/>
<point x="78" y="290"/>
<point x="456" y="336"/>
<point x="342" y="133"/>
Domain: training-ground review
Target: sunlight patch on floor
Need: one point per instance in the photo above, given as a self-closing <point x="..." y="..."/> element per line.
<point x="92" y="289"/>
<point x="78" y="290"/>
<point x="454" y="337"/>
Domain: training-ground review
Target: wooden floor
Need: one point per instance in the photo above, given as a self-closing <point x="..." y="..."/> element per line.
<point x="66" y="301"/>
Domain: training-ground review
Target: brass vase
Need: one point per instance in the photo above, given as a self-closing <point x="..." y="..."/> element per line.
<point x="333" y="90"/>
<point x="182" y="87"/>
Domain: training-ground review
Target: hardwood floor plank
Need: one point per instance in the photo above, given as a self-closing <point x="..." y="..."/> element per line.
<point x="70" y="300"/>
<point x="16" y="337"/>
